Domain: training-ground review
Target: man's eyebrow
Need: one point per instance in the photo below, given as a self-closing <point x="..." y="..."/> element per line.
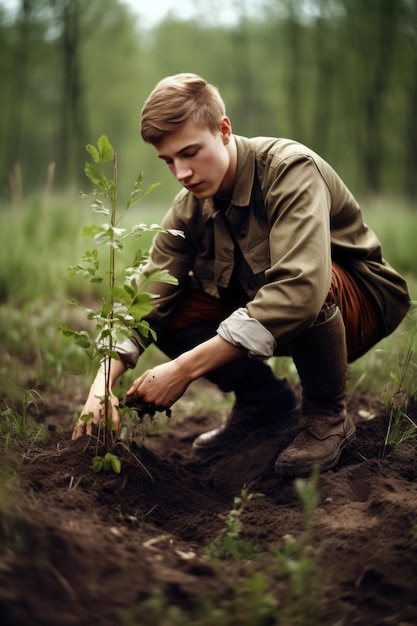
<point x="191" y="145"/>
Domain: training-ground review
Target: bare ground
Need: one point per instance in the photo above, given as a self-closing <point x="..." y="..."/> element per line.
<point x="80" y="548"/>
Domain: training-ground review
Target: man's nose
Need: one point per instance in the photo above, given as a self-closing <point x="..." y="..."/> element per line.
<point x="183" y="172"/>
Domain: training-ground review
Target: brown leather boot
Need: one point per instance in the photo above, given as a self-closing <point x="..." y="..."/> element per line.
<point x="270" y="408"/>
<point x="319" y="354"/>
<point x="263" y="403"/>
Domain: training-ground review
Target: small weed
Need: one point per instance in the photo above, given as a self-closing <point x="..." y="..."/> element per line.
<point x="229" y="543"/>
<point x="254" y="601"/>
<point x="18" y="426"/>
<point x="295" y="562"/>
<point x="106" y="463"/>
<point x="249" y="603"/>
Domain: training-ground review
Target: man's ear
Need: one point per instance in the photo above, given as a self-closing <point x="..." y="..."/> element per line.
<point x="225" y="129"/>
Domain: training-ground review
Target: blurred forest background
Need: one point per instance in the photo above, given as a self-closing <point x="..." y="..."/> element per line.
<point x="337" y="75"/>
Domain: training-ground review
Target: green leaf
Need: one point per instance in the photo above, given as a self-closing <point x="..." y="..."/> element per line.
<point x="145" y="330"/>
<point x="175" y="232"/>
<point x="107" y="462"/>
<point x="66" y="331"/>
<point x="130" y="291"/>
<point x="120" y="294"/>
<point x="161" y="276"/>
<point x="73" y="270"/>
<point x="87" y="417"/>
<point x="137" y="194"/>
<point x="91" y="256"/>
<point x="105" y="148"/>
<point x="116" y="464"/>
<point x="97" y="464"/>
<point x="90" y="231"/>
<point x="138" y="229"/>
<point x="95" y="175"/>
<point x="106" y="234"/>
<point x="140" y="258"/>
<point x="94" y="152"/>
<point x="138" y="311"/>
<point x="81" y="338"/>
<point x="98" y="207"/>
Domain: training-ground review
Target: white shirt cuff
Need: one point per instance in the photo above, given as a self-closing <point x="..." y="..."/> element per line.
<point x="241" y="330"/>
<point x="129" y="352"/>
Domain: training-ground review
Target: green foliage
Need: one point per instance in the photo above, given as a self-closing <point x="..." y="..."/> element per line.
<point x="125" y="301"/>
<point x="403" y="387"/>
<point x="229" y="543"/>
<point x="19" y="427"/>
<point x="283" y="71"/>
<point x="249" y="603"/>
<point x="106" y="463"/>
<point x="295" y="562"/>
<point x="124" y="304"/>
<point x="251" y="599"/>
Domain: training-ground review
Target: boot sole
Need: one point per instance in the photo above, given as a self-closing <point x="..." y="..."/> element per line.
<point x="326" y="464"/>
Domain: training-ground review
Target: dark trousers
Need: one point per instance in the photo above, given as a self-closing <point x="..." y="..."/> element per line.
<point x="359" y="313"/>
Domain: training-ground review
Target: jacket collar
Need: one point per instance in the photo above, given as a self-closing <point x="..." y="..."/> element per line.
<point x="245" y="172"/>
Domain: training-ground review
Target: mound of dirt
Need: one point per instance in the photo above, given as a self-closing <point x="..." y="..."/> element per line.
<point x="81" y="548"/>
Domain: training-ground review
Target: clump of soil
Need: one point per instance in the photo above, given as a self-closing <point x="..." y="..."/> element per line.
<point x="80" y="548"/>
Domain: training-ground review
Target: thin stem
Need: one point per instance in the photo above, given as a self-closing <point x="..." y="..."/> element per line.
<point x="112" y="257"/>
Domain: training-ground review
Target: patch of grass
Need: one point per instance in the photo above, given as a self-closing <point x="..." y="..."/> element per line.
<point x="18" y="427"/>
<point x="403" y="387"/>
<point x="248" y="603"/>
<point x="34" y="354"/>
<point x="230" y="542"/>
<point x="39" y="241"/>
<point x="295" y="563"/>
<point x="251" y="598"/>
<point x="380" y="364"/>
<point x="19" y="432"/>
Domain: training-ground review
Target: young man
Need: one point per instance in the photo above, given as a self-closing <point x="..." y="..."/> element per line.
<point x="275" y="260"/>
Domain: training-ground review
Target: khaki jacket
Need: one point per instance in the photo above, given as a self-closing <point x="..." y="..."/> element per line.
<point x="290" y="215"/>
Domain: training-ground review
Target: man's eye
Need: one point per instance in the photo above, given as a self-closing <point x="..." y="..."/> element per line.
<point x="189" y="155"/>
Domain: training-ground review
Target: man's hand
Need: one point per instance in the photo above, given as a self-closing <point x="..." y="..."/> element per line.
<point x="95" y="407"/>
<point x="161" y="386"/>
<point x="164" y="384"/>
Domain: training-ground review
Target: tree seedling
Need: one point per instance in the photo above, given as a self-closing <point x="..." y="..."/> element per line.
<point x="126" y="301"/>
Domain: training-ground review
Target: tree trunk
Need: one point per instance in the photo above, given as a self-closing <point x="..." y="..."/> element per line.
<point x="72" y="135"/>
<point x="325" y="80"/>
<point x="13" y="143"/>
<point x="294" y="81"/>
<point x="410" y="122"/>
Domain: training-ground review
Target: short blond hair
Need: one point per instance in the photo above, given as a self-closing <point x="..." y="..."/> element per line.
<point x="177" y="99"/>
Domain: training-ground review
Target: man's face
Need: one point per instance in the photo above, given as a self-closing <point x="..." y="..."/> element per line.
<point x="202" y="161"/>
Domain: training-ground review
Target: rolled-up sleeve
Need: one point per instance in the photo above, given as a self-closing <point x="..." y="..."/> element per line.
<point x="241" y="330"/>
<point x="129" y="352"/>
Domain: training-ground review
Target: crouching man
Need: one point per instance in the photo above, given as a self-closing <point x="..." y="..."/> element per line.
<point x="275" y="260"/>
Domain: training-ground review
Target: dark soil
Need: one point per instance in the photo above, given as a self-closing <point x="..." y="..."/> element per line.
<point x="81" y="548"/>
